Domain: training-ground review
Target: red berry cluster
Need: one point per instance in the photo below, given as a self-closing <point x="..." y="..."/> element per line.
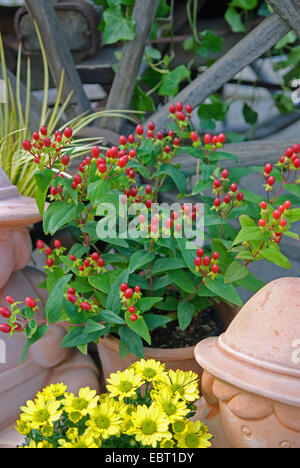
<point x="47" y="151"/>
<point x="206" y="265"/>
<point x="52" y="255"/>
<point x="289" y="164"/>
<point x="228" y="195"/>
<point x="179" y="114"/>
<point x="91" y="265"/>
<point x="140" y="195"/>
<point x="274" y="220"/>
<point x="212" y="143"/>
<point x="14" y="316"/>
<point x="129" y="298"/>
<point x="81" y="303"/>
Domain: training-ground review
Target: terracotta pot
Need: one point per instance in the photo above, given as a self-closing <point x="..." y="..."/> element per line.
<point x="251" y="383"/>
<point x="180" y="358"/>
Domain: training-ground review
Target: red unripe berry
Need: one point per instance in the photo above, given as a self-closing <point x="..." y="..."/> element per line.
<point x="71" y="291"/>
<point x="73" y="258"/>
<point x="271" y="181"/>
<point x="198" y="261"/>
<point x="189" y="108"/>
<point x="151" y="126"/>
<point x="57" y="244"/>
<point x="86" y="263"/>
<point x="140" y="130"/>
<point x="48" y="251"/>
<point x="148" y="203"/>
<point x="26" y="145"/>
<point x="49" y="262"/>
<point x="240" y="196"/>
<point x="128" y="293"/>
<point x="74" y="185"/>
<point x="262" y="223"/>
<point x="217" y="183"/>
<point x="176" y="141"/>
<point x="9" y="300"/>
<point x="47" y="142"/>
<point x="123" y="161"/>
<point x="68" y="132"/>
<point x="263" y="205"/>
<point x="172" y="109"/>
<point x="268" y="168"/>
<point x="215" y="269"/>
<point x="5" y="312"/>
<point x="207" y="139"/>
<point x="148" y="189"/>
<point x="132" y="153"/>
<point x="200" y="253"/>
<point x="217" y="202"/>
<point x="222" y="138"/>
<point x="132" y="309"/>
<point x="95" y="152"/>
<point x="296" y="148"/>
<point x="171" y="133"/>
<point x="77" y="179"/>
<point x="181" y="116"/>
<point x="40" y="244"/>
<point x="86" y="306"/>
<point x="101" y="262"/>
<point x="43" y="130"/>
<point x="179" y="106"/>
<point x="36" y="136"/>
<point x="160" y="135"/>
<point x="215" y="140"/>
<point x="194" y="136"/>
<point x="233" y="188"/>
<point x="102" y="168"/>
<point x="65" y="159"/>
<point x="95" y="256"/>
<point x="276" y="214"/>
<point x="137" y="289"/>
<point x="124" y="287"/>
<point x="296" y="163"/>
<point x="287" y="205"/>
<point x="227" y="199"/>
<point x="216" y="255"/>
<point x="206" y="261"/>
<point x="283" y="223"/>
<point x="123" y="140"/>
<point x="225" y="174"/>
<point x="72" y="298"/>
<point x="53" y="191"/>
<point x="281" y="208"/>
<point x="289" y="152"/>
<point x="167" y="149"/>
<point x="30" y="302"/>
<point x="5" y="328"/>
<point x="169" y="223"/>
<point x="133" y="317"/>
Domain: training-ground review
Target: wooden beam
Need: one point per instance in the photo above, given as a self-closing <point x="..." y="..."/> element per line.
<point x="289" y="11"/>
<point x="59" y="56"/>
<point x="255" y="44"/>
<point x="125" y="79"/>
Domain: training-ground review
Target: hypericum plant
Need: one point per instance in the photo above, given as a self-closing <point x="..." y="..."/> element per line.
<point x="145" y="407"/>
<point x="130" y="285"/>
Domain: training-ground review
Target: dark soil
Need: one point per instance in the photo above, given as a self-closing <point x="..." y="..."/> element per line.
<point x="204" y="325"/>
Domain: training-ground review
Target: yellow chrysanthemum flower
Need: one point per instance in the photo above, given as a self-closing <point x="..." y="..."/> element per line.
<point x="84" y="441"/>
<point x="53" y="391"/>
<point x="104" y="421"/>
<point x="124" y="384"/>
<point x="183" y="383"/>
<point x="40" y="412"/>
<point x="40" y="445"/>
<point x="180" y="426"/>
<point x="150" y="426"/>
<point x="150" y="369"/>
<point x="23" y="427"/>
<point x="78" y="407"/>
<point x="169" y="404"/>
<point x="167" y="443"/>
<point x="195" y="436"/>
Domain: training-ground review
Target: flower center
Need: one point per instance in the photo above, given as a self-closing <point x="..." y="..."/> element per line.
<point x="169" y="408"/>
<point x="177" y="388"/>
<point x="42" y="415"/>
<point x="102" y="422"/>
<point x="80" y="404"/>
<point x="125" y="386"/>
<point x="179" y="426"/>
<point x="149" y="373"/>
<point x="149" y="427"/>
<point x="192" y="440"/>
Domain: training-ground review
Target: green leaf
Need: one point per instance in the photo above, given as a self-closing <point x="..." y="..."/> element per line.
<point x="210" y="43"/>
<point x="272" y="254"/>
<point x="234" y="20"/>
<point x="250" y="115"/>
<point x="92" y="327"/>
<point x="182" y="280"/>
<point x="53" y="277"/>
<point x="76" y="337"/>
<point x="139" y="259"/>
<point x="60" y="214"/>
<point x="176" y="175"/>
<point x="54" y="306"/>
<point x="244" y="4"/>
<point x="251" y="234"/>
<point x="139" y="327"/>
<point x="43" y="180"/>
<point x="41" y="331"/>
<point x="293" y="188"/>
<point x="223" y="291"/>
<point x="111" y="317"/>
<point x="165" y="264"/>
<point x="117" y="27"/>
<point x="235" y="272"/>
<point x="293" y="215"/>
<point x="171" y="81"/>
<point x="185" y="314"/>
<point x="147" y="303"/>
<point x="132" y="341"/>
<point x="113" y="301"/>
<point x="97" y="190"/>
<point x="141" y="101"/>
<point x="154" y="321"/>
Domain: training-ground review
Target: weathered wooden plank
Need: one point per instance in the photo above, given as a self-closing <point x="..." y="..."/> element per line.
<point x="59" y="56"/>
<point x="289" y="11"/>
<point x="125" y="79"/>
<point x="256" y="43"/>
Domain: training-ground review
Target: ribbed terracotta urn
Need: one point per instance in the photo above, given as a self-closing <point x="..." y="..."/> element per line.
<point x="251" y="383"/>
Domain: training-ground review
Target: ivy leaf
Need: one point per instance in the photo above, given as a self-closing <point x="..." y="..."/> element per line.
<point x="250" y="115"/>
<point x="117" y="26"/>
<point x="234" y="20"/>
<point x="171" y="81"/>
<point x="176" y="175"/>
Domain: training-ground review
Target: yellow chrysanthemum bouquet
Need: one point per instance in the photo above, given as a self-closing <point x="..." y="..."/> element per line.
<point x="146" y="406"/>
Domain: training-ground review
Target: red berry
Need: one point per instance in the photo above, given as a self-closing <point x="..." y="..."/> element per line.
<point x="225" y="174"/>
<point x="133" y="317"/>
<point x="128" y="293"/>
<point x="49" y="262"/>
<point x="160" y="135"/>
<point x="73" y="258"/>
<point x="124" y="287"/>
<point x="53" y="191"/>
<point x="200" y="253"/>
<point x="178" y="227"/>
<point x="271" y="181"/>
<point x="47" y="142"/>
<point x="102" y="168"/>
<point x="148" y="203"/>
<point x="9" y="300"/>
<point x="222" y="138"/>
<point x="72" y="298"/>
<point x="65" y="159"/>
<point x="194" y="136"/>
<point x="181" y="116"/>
<point x="179" y="106"/>
<point x="215" y="269"/>
<point x="172" y="109"/>
<point x="277" y="214"/>
<point x="95" y="256"/>
<point x="217" y="183"/>
<point x="123" y="161"/>
<point x="189" y="108"/>
<point x="57" y="244"/>
<point x="43" y="130"/>
<point x="36" y="136"/>
<point x="132" y="153"/>
<point x="171" y="133"/>
<point x="48" y="251"/>
<point x="240" y="196"/>
<point x="40" y="244"/>
<point x="132" y="309"/>
<point x="198" y="261"/>
<point x="148" y="189"/>
<point x="169" y="223"/>
<point x="176" y="141"/>
<point x="68" y="132"/>
<point x="167" y="149"/>
<point x="71" y="291"/>
<point x="263" y="205"/>
<point x="5" y="328"/>
<point x="283" y="223"/>
<point x="137" y="289"/>
<point x="26" y="145"/>
<point x="101" y="262"/>
<point x="207" y="139"/>
<point x="217" y="202"/>
<point x="86" y="263"/>
<point x="77" y="179"/>
<point x="281" y="208"/>
<point x="233" y="188"/>
<point x="289" y="152"/>
<point x="268" y="168"/>
<point x="151" y="126"/>
<point x="86" y="306"/>
<point x="215" y="140"/>
<point x="227" y="199"/>
<point x="206" y="261"/>
<point x="296" y="148"/>
<point x="216" y="255"/>
<point x="123" y="140"/>
<point x="95" y="152"/>
<point x="296" y="163"/>
<point x="262" y="223"/>
<point x="140" y="130"/>
<point x="287" y="205"/>
<point x="30" y="302"/>
<point x="74" y="185"/>
<point x="5" y="312"/>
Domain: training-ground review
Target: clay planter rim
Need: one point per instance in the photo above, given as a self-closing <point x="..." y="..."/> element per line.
<point x="176" y="354"/>
<point x="272" y="382"/>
